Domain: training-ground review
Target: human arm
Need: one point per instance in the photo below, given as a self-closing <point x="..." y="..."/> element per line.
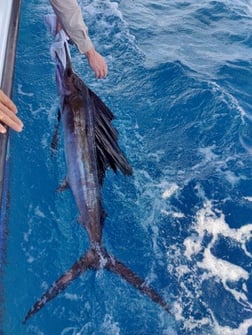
<point x="8" y="116"/>
<point x="70" y="17"/>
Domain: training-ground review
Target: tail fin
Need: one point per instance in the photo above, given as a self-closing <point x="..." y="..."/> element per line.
<point x="132" y="278"/>
<point x="95" y="259"/>
<point x="82" y="265"/>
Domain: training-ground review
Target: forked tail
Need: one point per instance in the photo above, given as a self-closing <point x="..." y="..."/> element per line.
<point x="95" y="259"/>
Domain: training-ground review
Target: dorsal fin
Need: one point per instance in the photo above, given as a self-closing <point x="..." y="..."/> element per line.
<point x="109" y="153"/>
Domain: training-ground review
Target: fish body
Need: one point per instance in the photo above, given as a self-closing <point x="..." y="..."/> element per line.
<point x="81" y="160"/>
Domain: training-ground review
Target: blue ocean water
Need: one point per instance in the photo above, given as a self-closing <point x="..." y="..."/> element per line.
<point x="180" y="86"/>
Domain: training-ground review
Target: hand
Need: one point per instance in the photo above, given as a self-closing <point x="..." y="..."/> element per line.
<point x="97" y="63"/>
<point x="8" y="116"/>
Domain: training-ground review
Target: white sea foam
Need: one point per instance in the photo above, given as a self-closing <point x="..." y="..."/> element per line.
<point x="21" y="92"/>
<point x="172" y="189"/>
<point x="246" y="143"/>
<point x="38" y="212"/>
<point x="211" y="223"/>
<point x="248" y="198"/>
<point x="241" y="330"/>
<point x="69" y="331"/>
<point x="207" y="221"/>
<point x="221" y="268"/>
<point x="109" y="326"/>
<point x="72" y="297"/>
<point x="34" y="330"/>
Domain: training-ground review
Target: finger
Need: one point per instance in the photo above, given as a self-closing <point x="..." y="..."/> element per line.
<point x="98" y="74"/>
<point x="105" y="71"/>
<point x="2" y="129"/>
<point x="10" y="119"/>
<point x="5" y="111"/>
<point x="101" y="73"/>
<point x="7" y="102"/>
<point x="16" y="125"/>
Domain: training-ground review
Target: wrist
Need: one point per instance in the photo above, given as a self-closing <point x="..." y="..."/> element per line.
<point x="90" y="53"/>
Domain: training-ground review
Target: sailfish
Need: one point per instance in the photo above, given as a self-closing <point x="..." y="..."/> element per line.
<point x="90" y="146"/>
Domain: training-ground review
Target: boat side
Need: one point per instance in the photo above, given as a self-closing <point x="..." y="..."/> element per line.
<point x="9" y="22"/>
